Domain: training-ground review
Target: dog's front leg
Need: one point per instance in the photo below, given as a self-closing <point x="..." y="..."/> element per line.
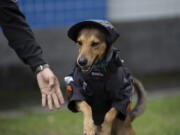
<point x="108" y="121"/>
<point x="89" y="127"/>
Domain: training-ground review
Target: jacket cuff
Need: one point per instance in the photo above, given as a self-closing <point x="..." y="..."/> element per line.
<point x="72" y="105"/>
<point x="34" y="62"/>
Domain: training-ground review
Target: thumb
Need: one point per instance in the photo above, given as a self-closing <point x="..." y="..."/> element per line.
<point x="51" y="82"/>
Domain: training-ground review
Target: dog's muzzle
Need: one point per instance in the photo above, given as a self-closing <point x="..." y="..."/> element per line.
<point x="88" y="69"/>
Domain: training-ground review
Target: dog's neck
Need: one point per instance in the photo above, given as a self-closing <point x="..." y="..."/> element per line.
<point x="107" y="56"/>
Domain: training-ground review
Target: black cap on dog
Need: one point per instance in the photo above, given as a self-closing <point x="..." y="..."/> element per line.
<point x="106" y="26"/>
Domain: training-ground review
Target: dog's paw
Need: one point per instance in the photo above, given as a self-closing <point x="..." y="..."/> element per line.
<point x="89" y="127"/>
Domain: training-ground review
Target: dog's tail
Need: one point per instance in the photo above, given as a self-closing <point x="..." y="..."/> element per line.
<point x="141" y="99"/>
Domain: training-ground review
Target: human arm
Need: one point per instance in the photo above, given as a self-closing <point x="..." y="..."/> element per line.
<point x="20" y="37"/>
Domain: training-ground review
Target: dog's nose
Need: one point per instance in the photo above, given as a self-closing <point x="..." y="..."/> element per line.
<point x="82" y="61"/>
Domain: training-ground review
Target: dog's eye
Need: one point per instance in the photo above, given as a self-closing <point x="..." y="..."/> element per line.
<point x="79" y="43"/>
<point x="94" y="44"/>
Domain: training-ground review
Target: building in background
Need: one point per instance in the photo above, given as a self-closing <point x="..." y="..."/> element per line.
<point x="54" y="13"/>
<point x="44" y="13"/>
<point x="135" y="10"/>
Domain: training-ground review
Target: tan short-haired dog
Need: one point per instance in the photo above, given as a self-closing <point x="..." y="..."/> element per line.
<point x="101" y="85"/>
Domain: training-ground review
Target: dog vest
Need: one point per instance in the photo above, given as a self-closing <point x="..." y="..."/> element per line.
<point x="102" y="88"/>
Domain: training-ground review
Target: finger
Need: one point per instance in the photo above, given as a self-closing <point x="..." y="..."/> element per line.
<point x="59" y="95"/>
<point x="51" y="82"/>
<point x="43" y="99"/>
<point x="50" y="102"/>
<point x="56" y="102"/>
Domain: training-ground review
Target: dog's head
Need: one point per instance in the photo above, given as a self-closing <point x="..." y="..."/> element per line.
<point x="93" y="38"/>
<point x="92" y="46"/>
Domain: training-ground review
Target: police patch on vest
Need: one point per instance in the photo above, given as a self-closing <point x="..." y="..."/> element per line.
<point x="97" y="74"/>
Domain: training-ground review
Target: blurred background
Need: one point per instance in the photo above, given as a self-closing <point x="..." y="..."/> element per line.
<point x="149" y="43"/>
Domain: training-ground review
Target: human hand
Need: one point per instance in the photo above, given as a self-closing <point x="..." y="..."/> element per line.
<point x="50" y="89"/>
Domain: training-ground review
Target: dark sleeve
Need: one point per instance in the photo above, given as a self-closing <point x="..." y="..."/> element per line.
<point x="19" y="34"/>
<point x="76" y="93"/>
<point x="122" y="92"/>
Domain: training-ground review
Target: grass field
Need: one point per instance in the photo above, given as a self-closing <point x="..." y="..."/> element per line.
<point x="162" y="117"/>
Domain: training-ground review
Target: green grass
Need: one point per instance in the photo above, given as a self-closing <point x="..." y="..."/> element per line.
<point x="162" y="117"/>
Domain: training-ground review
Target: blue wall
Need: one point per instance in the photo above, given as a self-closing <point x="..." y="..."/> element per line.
<point x="49" y="13"/>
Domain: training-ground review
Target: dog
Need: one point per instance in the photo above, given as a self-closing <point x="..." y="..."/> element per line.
<point x="100" y="86"/>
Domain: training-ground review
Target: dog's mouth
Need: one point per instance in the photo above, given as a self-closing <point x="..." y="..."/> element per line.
<point x="88" y="68"/>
